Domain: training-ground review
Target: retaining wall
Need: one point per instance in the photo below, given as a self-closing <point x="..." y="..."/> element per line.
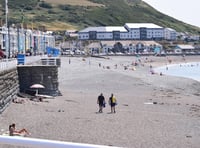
<point x="9" y="87"/>
<point x="47" y="75"/>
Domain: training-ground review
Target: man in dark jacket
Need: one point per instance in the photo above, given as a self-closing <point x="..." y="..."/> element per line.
<point x="101" y="102"/>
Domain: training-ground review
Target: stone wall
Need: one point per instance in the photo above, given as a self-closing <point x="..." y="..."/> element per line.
<point x="9" y="87"/>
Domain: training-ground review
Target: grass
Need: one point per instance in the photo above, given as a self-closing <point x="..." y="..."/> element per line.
<point x="53" y="26"/>
<point x="73" y="2"/>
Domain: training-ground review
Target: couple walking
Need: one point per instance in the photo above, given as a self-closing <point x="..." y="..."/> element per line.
<point x="101" y="101"/>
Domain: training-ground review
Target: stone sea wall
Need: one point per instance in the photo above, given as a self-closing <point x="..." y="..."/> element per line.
<point x="9" y="87"/>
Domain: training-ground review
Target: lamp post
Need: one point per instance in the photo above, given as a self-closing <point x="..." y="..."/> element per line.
<point x="6" y="25"/>
<point x="25" y="33"/>
<point x="6" y="13"/>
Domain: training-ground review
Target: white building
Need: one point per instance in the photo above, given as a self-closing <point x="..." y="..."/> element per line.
<point x="184" y="48"/>
<point x="144" y="31"/>
<point x="170" y="34"/>
<point x="135" y="31"/>
<point x="102" y="33"/>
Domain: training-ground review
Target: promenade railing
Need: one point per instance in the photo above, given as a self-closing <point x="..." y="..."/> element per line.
<point x="43" y="143"/>
<point x="6" y="64"/>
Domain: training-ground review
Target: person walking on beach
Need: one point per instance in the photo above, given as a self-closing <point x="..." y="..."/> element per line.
<point x="113" y="103"/>
<point x="101" y="102"/>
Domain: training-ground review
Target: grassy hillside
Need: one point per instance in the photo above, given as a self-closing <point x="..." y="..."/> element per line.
<point x="77" y="14"/>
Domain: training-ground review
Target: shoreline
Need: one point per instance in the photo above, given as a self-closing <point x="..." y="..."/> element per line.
<point x="166" y="69"/>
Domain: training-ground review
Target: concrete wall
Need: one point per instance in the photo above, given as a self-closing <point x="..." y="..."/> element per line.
<point x="8" y="87"/>
<point x="47" y="75"/>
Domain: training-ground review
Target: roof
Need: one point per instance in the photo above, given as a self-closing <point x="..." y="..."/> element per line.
<point x="183" y="46"/>
<point x="128" y="42"/>
<point x="170" y="29"/>
<point x="108" y="43"/>
<point x="142" y="25"/>
<point x="94" y="45"/>
<point x="105" y="29"/>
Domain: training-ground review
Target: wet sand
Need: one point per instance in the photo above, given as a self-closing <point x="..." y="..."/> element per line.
<point x="153" y="111"/>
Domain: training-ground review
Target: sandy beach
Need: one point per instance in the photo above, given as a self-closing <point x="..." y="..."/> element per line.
<point x="153" y="111"/>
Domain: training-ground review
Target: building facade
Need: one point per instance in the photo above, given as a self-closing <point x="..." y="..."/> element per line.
<point x="124" y="47"/>
<point x="130" y="31"/>
<point x="19" y="40"/>
<point x="170" y="34"/>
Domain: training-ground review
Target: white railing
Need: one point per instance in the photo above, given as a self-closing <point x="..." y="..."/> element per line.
<point x="48" y="61"/>
<point x="42" y="143"/>
<point x="6" y="64"/>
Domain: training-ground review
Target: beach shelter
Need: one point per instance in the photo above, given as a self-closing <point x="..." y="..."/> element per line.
<point x="37" y="86"/>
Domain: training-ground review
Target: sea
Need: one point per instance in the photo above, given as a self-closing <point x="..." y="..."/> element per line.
<point x="187" y="70"/>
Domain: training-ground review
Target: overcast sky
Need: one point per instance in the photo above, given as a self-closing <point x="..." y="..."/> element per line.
<point x="187" y="11"/>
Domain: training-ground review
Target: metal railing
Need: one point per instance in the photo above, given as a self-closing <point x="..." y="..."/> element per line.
<point x="6" y="64"/>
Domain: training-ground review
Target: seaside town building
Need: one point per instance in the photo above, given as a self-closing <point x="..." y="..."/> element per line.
<point x="182" y="48"/>
<point x="170" y="34"/>
<point x="18" y="40"/>
<point x="130" y="31"/>
<point x="124" y="46"/>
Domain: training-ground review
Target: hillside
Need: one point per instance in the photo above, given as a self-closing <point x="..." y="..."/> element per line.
<point x="77" y="14"/>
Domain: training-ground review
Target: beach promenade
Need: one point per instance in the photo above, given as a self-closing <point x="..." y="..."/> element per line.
<point x="153" y="111"/>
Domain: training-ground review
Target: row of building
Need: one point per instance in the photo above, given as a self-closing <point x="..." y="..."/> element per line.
<point x="126" y="47"/>
<point x="132" y="47"/>
<point x="18" y="40"/>
<point x="130" y="31"/>
<point x="111" y="46"/>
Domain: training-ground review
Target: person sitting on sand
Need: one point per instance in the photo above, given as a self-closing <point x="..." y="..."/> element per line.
<point x="19" y="101"/>
<point x="14" y="132"/>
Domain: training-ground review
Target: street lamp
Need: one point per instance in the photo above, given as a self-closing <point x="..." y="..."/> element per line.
<point x="6" y="25"/>
<point x="6" y="12"/>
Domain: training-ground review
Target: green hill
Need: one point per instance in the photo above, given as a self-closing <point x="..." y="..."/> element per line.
<point x="78" y="14"/>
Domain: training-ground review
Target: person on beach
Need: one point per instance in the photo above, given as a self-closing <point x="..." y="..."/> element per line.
<point x="101" y="102"/>
<point x="14" y="132"/>
<point x="113" y="103"/>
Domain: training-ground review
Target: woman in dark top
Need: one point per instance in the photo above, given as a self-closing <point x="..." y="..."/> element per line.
<point x="112" y="102"/>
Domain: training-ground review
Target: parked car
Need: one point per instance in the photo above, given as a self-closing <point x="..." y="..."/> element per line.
<point x="67" y="52"/>
<point x="2" y="54"/>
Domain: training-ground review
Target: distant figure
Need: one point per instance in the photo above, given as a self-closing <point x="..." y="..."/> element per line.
<point x="101" y="102"/>
<point x="113" y="103"/>
<point x="69" y="61"/>
<point x="19" y="101"/>
<point x="14" y="132"/>
<point x="115" y="66"/>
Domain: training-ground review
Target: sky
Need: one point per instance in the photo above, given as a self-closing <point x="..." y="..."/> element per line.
<point x="187" y="11"/>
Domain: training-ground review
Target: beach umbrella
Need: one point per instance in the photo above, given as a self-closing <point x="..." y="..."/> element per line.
<point x="37" y="86"/>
